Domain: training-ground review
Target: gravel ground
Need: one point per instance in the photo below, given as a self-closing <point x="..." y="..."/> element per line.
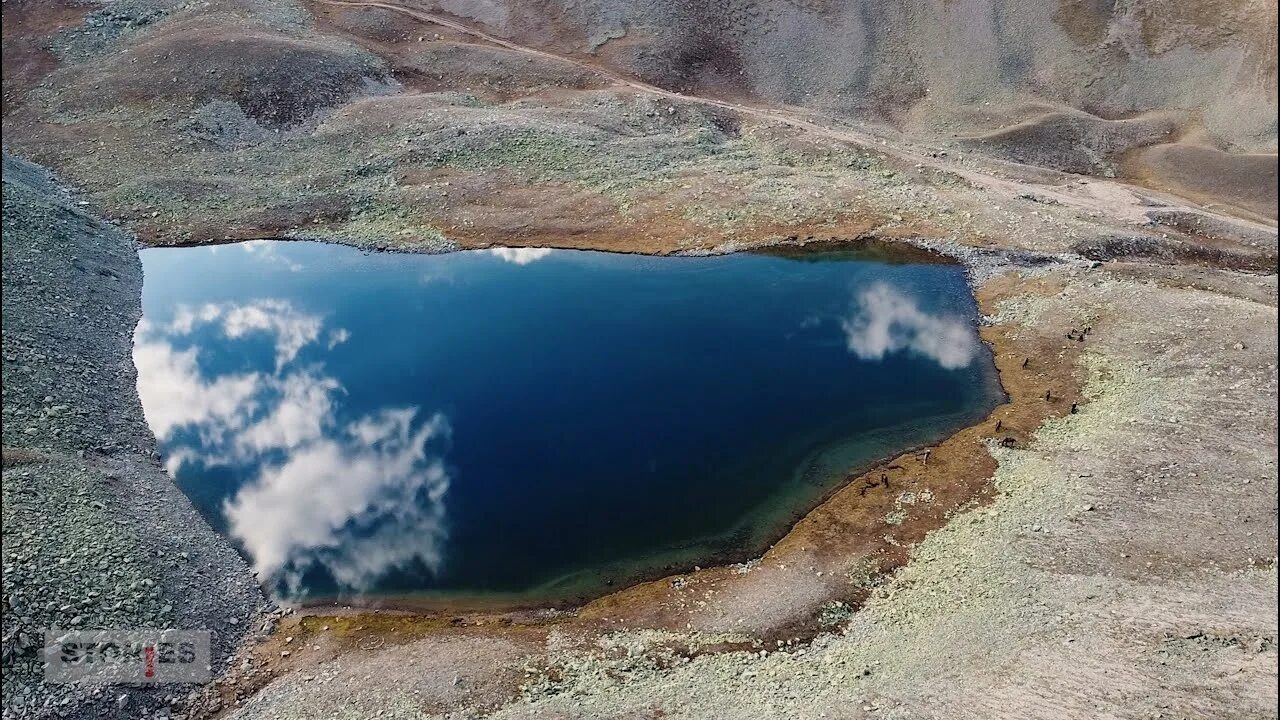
<point x="95" y="533"/>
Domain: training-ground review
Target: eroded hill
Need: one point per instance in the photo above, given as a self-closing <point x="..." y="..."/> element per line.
<point x="653" y="126"/>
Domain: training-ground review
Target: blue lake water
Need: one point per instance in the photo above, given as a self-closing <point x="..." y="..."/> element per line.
<point x="530" y="425"/>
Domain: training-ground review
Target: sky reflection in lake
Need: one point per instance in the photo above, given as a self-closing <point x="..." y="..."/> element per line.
<point x="341" y="493"/>
<point x="542" y="422"/>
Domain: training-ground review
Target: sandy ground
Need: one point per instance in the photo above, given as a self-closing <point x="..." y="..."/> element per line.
<point x="1118" y="561"/>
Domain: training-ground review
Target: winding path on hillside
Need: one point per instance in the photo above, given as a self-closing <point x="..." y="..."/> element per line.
<point x="1123" y="201"/>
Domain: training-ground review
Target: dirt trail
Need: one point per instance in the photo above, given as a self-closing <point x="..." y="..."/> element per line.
<point x="1117" y="199"/>
<point x="768" y="113"/>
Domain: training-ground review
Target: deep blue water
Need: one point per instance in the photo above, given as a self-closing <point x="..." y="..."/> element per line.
<point x="529" y="424"/>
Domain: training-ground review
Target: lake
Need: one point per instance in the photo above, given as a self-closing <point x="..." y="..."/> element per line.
<point x="526" y="426"/>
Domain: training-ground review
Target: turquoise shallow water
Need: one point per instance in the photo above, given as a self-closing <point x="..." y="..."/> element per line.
<point x="533" y="425"/>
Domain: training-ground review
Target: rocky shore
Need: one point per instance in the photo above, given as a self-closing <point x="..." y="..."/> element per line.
<point x="96" y="535"/>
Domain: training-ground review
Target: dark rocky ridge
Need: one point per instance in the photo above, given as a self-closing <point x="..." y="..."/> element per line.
<point x="96" y="535"/>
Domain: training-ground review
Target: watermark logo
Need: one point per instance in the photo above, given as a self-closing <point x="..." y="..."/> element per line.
<point x="105" y="657"/>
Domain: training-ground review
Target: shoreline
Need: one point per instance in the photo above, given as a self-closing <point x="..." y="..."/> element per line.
<point x="644" y="591"/>
<point x="96" y="534"/>
<point x="951" y="463"/>
<point x="533" y="601"/>
<point x="493" y="602"/>
<point x="846" y="535"/>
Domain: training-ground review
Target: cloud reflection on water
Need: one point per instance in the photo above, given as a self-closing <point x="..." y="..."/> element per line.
<point x="291" y="330"/>
<point x="360" y="502"/>
<point x="357" y="498"/>
<point x="268" y="251"/>
<point x="887" y="320"/>
<point x="520" y="256"/>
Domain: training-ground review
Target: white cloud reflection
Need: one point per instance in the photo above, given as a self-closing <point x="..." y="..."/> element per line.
<point x="268" y="251"/>
<point x="887" y="320"/>
<point x="357" y="498"/>
<point x="520" y="256"/>
<point x="292" y="330"/>
<point x="358" y="502"/>
<point x="339" y="336"/>
<point x="297" y="415"/>
<point x="174" y="393"/>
